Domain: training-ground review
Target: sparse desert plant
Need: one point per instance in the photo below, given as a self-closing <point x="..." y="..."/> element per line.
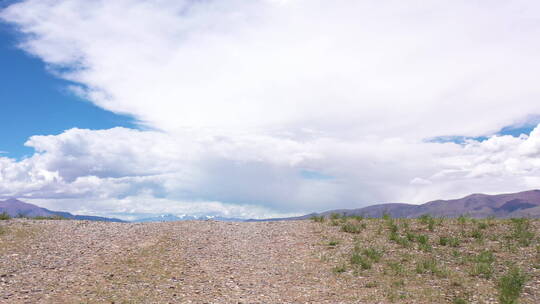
<point x="422" y="239"/>
<point x="483" y="266"/>
<point x="444" y="240"/>
<point x="335" y="216"/>
<point x="362" y="261"/>
<point x="424" y="218"/>
<point x="430" y="265"/>
<point x="395" y="237"/>
<point x="372" y="284"/>
<point x="373" y="254"/>
<point x="333" y="243"/>
<point x="459" y="300"/>
<point x="521" y="231"/>
<point x="510" y="286"/>
<point x="411" y="237"/>
<point x="454" y="242"/>
<point x="356" y="217"/>
<point x="397" y="268"/>
<point x="386" y="216"/>
<point x="477" y="234"/>
<point x="482" y="225"/>
<point x="351" y="228"/>
<point x="340" y="269"/>
<point x="317" y="219"/>
<point x="463" y="219"/>
<point x="4" y="216"/>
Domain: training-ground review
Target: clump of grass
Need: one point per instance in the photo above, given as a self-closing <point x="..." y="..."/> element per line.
<point x="373" y="254"/>
<point x="510" y="286"/>
<point x="483" y="265"/>
<point x="358" y="259"/>
<point x="521" y="231"/>
<point x="372" y="284"/>
<point x="444" y="240"/>
<point x="4" y="216"/>
<point x="351" y="228"/>
<point x="423" y="242"/>
<point x="482" y="225"/>
<point x="463" y="219"/>
<point x="477" y="234"/>
<point x="395" y="237"/>
<point x="317" y="219"/>
<point x="335" y="216"/>
<point x="386" y="216"/>
<point x="333" y="243"/>
<point x="397" y="268"/>
<point x="340" y="269"/>
<point x="430" y="266"/>
<point x="459" y="300"/>
<point x="356" y="217"/>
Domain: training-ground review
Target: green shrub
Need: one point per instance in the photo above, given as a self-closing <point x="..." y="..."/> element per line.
<point x="340" y="269"/>
<point x="411" y="237"/>
<point x="444" y="240"/>
<point x="430" y="266"/>
<point x="459" y="300"/>
<point x="483" y="266"/>
<point x="454" y="242"/>
<point x="424" y="218"/>
<point x="317" y="219"/>
<point x="462" y="219"/>
<point x="358" y="259"/>
<point x="422" y="239"/>
<point x="521" y="231"/>
<point x="373" y="254"/>
<point x="511" y="285"/>
<point x="351" y="228"/>
<point x="333" y="243"/>
<point x="335" y="216"/>
<point x="4" y="216"/>
<point x="477" y="234"/>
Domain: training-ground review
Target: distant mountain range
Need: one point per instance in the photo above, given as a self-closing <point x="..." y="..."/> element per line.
<point x="521" y="204"/>
<point x="15" y="207"/>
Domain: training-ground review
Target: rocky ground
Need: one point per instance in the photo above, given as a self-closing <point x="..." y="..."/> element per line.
<point x="63" y="261"/>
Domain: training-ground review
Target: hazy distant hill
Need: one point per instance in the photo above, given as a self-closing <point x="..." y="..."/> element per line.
<point x="15" y="207"/>
<point x="174" y="218"/>
<point x="521" y="204"/>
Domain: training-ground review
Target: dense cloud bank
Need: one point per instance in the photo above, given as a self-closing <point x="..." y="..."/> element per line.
<point x="273" y="107"/>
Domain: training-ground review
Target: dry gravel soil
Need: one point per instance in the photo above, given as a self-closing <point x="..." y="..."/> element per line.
<point x="64" y="261"/>
<point x="60" y="261"/>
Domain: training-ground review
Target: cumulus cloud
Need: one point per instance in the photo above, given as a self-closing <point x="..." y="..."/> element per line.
<point x="245" y="95"/>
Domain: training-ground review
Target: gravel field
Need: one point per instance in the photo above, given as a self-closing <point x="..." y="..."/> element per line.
<point x="60" y="261"/>
<point x="344" y="260"/>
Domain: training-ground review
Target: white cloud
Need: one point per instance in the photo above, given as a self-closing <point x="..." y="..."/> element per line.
<point x="247" y="94"/>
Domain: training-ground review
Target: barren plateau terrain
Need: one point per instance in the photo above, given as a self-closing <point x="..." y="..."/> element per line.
<point x="324" y="260"/>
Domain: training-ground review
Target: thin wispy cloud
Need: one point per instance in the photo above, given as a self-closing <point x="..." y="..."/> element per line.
<point x="238" y="99"/>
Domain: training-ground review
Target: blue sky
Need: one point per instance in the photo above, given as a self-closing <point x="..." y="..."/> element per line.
<point x="34" y="102"/>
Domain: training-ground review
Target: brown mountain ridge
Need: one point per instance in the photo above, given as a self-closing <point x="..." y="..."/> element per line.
<point x="508" y="205"/>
